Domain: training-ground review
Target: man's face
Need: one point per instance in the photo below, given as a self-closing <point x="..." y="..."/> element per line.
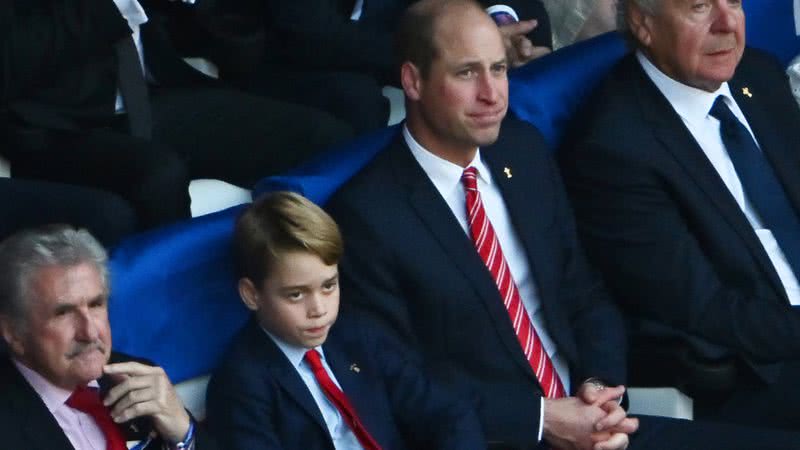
<point x="696" y="42"/>
<point x="299" y="299"/>
<point x="462" y="101"/>
<point x="66" y="336"/>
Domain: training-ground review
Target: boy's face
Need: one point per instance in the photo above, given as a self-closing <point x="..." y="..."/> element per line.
<point x="299" y="299"/>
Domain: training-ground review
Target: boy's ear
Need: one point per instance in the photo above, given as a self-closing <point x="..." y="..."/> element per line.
<point x="248" y="293"/>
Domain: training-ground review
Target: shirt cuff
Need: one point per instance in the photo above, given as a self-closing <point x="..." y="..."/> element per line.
<point x="541" y="420"/>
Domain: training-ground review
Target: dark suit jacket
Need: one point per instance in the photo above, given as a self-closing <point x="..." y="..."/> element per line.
<point x="660" y="224"/>
<point x="257" y="400"/>
<point x="27" y="424"/>
<point x="410" y="265"/>
<point x="58" y="68"/>
<point x="319" y="34"/>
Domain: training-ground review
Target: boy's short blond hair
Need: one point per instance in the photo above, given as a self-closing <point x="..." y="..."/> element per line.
<point x="279" y="223"/>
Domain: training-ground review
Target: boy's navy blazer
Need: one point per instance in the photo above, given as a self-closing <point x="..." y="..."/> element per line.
<point x="257" y="400"/>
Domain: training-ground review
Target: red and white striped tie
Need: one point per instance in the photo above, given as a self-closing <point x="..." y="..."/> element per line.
<point x="488" y="247"/>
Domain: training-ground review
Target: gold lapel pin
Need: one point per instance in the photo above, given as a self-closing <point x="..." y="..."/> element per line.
<point x="507" y="171"/>
<point x="354" y="367"/>
<point x="746" y="91"/>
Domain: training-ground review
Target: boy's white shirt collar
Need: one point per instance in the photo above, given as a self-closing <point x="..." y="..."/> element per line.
<point x="294" y="353"/>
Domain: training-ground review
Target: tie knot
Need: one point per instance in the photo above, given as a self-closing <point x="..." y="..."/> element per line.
<point x="313" y="359"/>
<point x="470" y="178"/>
<point x="85" y="399"/>
<point x="721" y="112"/>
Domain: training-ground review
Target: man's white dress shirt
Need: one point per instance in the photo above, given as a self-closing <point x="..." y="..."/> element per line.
<point x="693" y="106"/>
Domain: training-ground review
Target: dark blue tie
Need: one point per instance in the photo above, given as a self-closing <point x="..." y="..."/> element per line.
<point x="133" y="88"/>
<point x="760" y="184"/>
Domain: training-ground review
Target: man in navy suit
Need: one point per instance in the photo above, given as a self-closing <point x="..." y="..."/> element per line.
<point x="413" y="266"/>
<point x="299" y="375"/>
<point x="62" y="387"/>
<point x="696" y="235"/>
<point x="415" y="258"/>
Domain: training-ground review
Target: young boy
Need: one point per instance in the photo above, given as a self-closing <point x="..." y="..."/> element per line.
<point x="296" y="379"/>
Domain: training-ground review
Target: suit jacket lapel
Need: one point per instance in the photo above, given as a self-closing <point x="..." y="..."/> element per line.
<point x="529" y="202"/>
<point x="431" y="208"/>
<point x="775" y="149"/>
<point x="276" y="363"/>
<point x="676" y="138"/>
<point x="357" y="386"/>
<point x="36" y="421"/>
<point x="783" y="157"/>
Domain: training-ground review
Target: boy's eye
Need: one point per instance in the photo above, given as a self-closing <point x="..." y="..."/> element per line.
<point x="294" y="295"/>
<point x="329" y="286"/>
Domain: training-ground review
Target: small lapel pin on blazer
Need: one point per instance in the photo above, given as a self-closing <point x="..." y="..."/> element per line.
<point x="507" y="171"/>
<point x="746" y="91"/>
<point x="354" y="367"/>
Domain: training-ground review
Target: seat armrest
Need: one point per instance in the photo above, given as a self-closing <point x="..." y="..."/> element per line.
<point x="660" y="401"/>
<point x="193" y="395"/>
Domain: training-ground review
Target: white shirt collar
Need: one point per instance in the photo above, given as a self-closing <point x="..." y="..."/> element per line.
<point x="445" y="175"/>
<point x="294" y="353"/>
<point x="690" y="103"/>
<point x="132" y="11"/>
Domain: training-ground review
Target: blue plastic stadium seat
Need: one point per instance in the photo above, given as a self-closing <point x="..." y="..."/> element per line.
<point x="771" y="27"/>
<point x="547" y="91"/>
<point x="174" y="298"/>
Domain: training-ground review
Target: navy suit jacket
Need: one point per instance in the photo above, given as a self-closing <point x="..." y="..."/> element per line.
<point x="25" y="421"/>
<point x="257" y="400"/>
<point x="409" y="264"/>
<point x="660" y="224"/>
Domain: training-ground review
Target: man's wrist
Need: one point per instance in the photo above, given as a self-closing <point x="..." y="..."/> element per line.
<point x="597" y="383"/>
<point x="187" y="442"/>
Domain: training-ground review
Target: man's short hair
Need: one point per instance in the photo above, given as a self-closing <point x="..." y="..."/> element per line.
<point x="280" y="223"/>
<point x="26" y="252"/>
<point x="414" y="38"/>
<point x="648" y="6"/>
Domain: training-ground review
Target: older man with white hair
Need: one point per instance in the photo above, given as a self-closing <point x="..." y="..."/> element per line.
<point x="58" y="388"/>
<point x="684" y="178"/>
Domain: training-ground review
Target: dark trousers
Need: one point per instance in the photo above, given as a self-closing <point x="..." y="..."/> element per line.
<point x="27" y="203"/>
<point x="757" y="403"/>
<point x="660" y="433"/>
<point x="198" y="133"/>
